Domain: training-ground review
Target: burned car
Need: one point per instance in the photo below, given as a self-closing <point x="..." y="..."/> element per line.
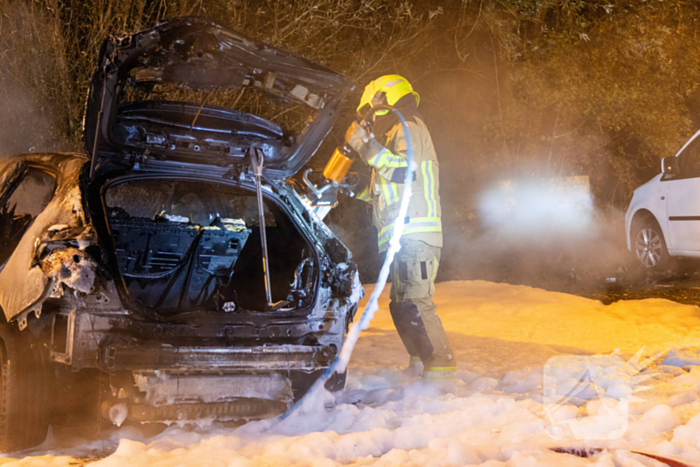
<point x="172" y="262"/>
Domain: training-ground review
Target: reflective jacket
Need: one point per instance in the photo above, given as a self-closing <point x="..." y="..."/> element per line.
<point x="386" y="186"/>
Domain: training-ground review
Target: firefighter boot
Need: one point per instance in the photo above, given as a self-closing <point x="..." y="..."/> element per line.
<point x="441" y="373"/>
<point x="427" y="342"/>
<point x="415" y="366"/>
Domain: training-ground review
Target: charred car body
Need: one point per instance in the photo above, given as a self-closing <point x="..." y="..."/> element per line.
<point x="143" y="261"/>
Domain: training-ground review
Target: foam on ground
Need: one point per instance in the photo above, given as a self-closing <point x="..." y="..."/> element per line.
<point x="503" y="336"/>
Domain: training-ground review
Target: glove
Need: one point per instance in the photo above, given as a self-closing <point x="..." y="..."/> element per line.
<point x="362" y="142"/>
<point x="356" y="137"/>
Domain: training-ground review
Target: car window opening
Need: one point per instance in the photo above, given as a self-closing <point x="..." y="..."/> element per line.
<point x="28" y="199"/>
<point x="292" y="117"/>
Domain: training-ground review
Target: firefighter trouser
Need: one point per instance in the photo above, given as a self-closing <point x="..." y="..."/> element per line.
<point x="412" y="309"/>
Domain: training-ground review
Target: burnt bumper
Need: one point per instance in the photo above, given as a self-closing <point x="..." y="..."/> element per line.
<point x="141" y="356"/>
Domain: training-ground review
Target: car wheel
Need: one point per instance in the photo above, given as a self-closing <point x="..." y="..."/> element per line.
<point x="649" y="246"/>
<point x="24" y="392"/>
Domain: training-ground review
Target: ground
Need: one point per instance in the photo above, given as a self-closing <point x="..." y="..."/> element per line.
<point x="504" y="336"/>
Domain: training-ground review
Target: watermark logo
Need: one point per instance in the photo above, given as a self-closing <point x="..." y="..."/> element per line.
<point x="588" y="397"/>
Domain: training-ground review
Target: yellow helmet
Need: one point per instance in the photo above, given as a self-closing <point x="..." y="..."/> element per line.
<point x="393" y="86"/>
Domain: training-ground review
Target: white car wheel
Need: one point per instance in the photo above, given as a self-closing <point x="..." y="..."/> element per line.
<point x="650" y="248"/>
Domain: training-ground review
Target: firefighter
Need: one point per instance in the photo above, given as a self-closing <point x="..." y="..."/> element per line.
<point x="416" y="264"/>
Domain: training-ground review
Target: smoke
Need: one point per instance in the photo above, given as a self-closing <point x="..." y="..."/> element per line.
<point x="545" y="232"/>
<point x="524" y="189"/>
<point x="539" y="210"/>
<point x="24" y="126"/>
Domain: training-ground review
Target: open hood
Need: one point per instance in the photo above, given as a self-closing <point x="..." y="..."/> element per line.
<point x="193" y="55"/>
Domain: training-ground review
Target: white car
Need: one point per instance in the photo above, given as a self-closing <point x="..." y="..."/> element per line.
<point x="663" y="218"/>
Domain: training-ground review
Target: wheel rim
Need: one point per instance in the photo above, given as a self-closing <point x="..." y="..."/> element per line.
<point x="649" y="247"/>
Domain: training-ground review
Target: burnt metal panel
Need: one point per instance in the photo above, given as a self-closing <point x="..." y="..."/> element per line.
<point x="23" y="285"/>
<point x="142" y="356"/>
<point x="198" y="54"/>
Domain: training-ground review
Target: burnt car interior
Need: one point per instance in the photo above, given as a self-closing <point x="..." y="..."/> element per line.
<point x="183" y="245"/>
<point x="189" y="95"/>
<point x="26" y="197"/>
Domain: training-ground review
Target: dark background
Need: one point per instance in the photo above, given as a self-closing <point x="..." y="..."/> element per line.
<point x="515" y="93"/>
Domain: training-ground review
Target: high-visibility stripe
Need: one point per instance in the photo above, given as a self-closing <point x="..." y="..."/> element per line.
<point x="374" y="160"/>
<point x="390" y="84"/>
<point x="390" y="191"/>
<point x="386" y="192"/>
<point x="432" y="225"/>
<point x="422" y="228"/>
<point x="440" y="373"/>
<point x="433" y="191"/>
<point x="413" y="222"/>
<point x="394" y="162"/>
<point x="409" y="230"/>
<point x="441" y="369"/>
<point x="395" y="190"/>
<point x="414" y="225"/>
<point x="426" y="184"/>
<point x="432" y="377"/>
<point x="386" y="158"/>
<point x="364" y="195"/>
<point x="429" y="187"/>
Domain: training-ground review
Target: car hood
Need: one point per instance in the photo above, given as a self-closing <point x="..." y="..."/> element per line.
<point x="649" y="185"/>
<point x="193" y="54"/>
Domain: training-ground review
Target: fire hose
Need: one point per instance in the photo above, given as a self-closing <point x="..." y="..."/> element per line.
<point x="342" y="360"/>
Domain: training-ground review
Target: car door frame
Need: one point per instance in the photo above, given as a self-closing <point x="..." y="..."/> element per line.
<point x="23" y="285"/>
<point x="12" y="176"/>
<point x="679" y="220"/>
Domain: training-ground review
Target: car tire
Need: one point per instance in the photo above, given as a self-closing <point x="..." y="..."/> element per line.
<point x="25" y="391"/>
<point x="649" y="246"/>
